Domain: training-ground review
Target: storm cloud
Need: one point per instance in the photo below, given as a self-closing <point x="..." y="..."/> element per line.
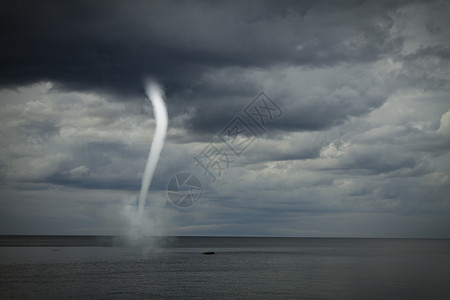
<point x="360" y="147"/>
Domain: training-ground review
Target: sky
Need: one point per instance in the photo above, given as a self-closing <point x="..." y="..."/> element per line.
<point x="297" y="118"/>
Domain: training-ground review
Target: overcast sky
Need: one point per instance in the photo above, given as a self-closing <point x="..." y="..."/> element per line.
<point x="359" y="145"/>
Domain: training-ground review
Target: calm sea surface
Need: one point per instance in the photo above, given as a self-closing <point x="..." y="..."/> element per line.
<point x="242" y="268"/>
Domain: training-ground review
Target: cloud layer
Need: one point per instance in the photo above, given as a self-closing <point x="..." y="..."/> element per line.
<point x="361" y="147"/>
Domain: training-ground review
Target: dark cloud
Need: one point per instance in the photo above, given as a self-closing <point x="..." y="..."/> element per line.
<point x="373" y="160"/>
<point x="111" y="45"/>
<point x="40" y="131"/>
<point x="362" y="137"/>
<point x="100" y="165"/>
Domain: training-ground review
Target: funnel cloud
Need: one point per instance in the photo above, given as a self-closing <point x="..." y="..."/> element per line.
<point x="155" y="94"/>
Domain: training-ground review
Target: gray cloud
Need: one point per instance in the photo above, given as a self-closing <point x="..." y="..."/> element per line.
<point x="361" y="147"/>
<point x="111" y="46"/>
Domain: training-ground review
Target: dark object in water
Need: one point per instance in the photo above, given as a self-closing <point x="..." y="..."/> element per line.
<point x="209" y="253"/>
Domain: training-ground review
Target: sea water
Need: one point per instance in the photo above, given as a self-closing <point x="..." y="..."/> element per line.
<point x="241" y="268"/>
